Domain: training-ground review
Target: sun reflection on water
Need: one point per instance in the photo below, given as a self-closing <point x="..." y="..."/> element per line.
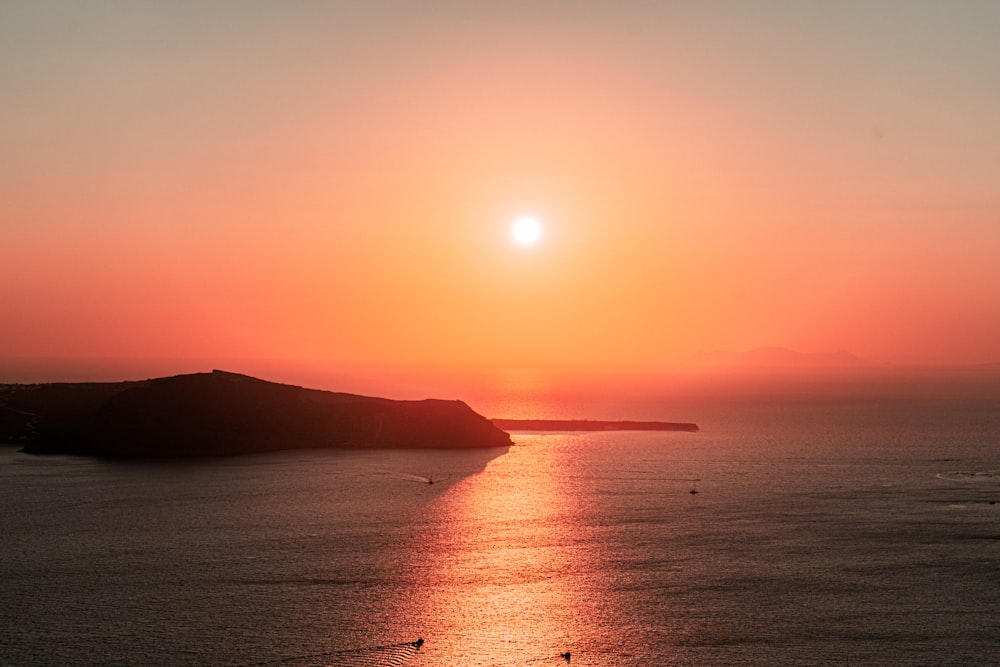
<point x="509" y="576"/>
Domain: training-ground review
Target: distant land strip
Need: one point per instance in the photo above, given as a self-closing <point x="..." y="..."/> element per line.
<point x="590" y="425"/>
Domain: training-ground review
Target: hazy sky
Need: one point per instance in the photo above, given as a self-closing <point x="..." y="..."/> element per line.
<point x="335" y="181"/>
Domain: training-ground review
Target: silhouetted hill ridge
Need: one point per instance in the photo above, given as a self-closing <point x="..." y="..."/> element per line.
<point x="222" y="413"/>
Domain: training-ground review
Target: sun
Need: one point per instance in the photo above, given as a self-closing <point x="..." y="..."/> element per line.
<point x="526" y="230"/>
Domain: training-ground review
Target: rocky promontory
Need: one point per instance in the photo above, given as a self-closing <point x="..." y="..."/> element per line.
<point x="222" y="414"/>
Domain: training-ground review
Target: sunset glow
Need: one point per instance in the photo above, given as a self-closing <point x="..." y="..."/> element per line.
<point x="341" y="184"/>
<point x="605" y="333"/>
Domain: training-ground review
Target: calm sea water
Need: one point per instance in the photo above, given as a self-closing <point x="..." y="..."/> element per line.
<point x="846" y="530"/>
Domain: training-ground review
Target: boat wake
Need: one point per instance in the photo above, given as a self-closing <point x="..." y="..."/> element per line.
<point x="392" y="655"/>
<point x="969" y="476"/>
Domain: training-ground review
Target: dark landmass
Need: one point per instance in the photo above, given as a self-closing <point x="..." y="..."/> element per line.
<point x="589" y="425"/>
<point x="223" y="414"/>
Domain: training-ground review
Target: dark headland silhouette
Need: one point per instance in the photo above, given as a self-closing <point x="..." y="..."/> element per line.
<point x="221" y="414"/>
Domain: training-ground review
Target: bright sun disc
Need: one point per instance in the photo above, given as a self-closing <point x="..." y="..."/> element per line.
<point x="526" y="230"/>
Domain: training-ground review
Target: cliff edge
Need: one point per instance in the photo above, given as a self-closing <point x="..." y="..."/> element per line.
<point x="222" y="414"/>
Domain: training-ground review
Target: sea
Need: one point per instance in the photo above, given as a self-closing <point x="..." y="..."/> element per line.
<point x="801" y="525"/>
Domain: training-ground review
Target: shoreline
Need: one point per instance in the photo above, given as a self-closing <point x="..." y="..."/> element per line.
<point x="590" y="425"/>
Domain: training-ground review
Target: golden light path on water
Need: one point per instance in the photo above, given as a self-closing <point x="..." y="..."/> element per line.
<point x="513" y="575"/>
<point x="512" y="554"/>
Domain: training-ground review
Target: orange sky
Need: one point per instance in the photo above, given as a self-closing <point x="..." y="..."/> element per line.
<point x="335" y="182"/>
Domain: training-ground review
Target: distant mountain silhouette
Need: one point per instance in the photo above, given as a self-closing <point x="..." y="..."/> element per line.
<point x="779" y="358"/>
<point x="220" y="413"/>
<point x="990" y="366"/>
